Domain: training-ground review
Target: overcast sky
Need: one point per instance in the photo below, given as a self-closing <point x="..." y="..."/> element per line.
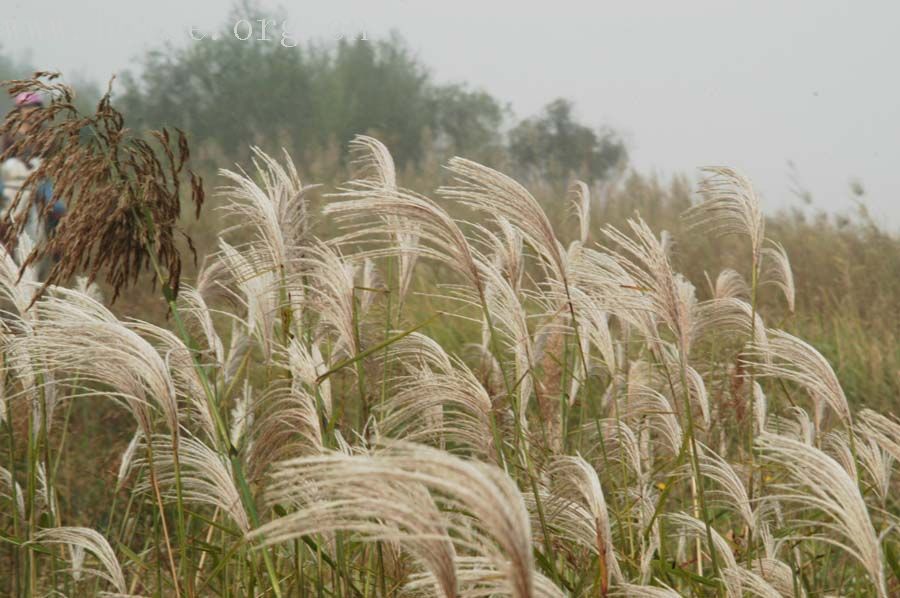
<point x="751" y="84"/>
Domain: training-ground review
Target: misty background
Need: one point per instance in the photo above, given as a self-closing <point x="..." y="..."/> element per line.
<point x="800" y="96"/>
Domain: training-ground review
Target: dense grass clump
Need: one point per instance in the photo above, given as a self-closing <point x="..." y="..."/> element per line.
<point x="444" y="394"/>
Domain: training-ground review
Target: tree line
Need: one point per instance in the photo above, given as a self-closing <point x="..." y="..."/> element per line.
<point x="229" y="94"/>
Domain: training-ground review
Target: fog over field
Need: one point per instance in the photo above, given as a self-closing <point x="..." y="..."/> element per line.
<point x="754" y="85"/>
<point x="397" y="299"/>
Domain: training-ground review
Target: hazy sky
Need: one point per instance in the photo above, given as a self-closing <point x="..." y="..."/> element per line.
<point x="751" y="84"/>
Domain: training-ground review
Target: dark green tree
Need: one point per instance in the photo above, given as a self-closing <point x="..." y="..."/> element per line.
<point x="230" y="94"/>
<point x="375" y="87"/>
<point x="467" y="122"/>
<point x="227" y="92"/>
<point x="554" y="145"/>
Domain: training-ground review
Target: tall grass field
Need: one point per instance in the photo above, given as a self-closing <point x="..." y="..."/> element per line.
<point x="363" y="390"/>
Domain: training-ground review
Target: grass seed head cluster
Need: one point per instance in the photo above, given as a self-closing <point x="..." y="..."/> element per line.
<point x="300" y="430"/>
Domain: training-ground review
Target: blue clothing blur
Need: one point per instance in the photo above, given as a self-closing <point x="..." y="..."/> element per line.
<point x="45" y="196"/>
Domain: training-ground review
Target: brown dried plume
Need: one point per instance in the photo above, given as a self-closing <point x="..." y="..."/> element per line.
<point x="122" y="192"/>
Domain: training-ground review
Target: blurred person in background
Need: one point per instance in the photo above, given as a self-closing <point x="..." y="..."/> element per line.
<point x="14" y="172"/>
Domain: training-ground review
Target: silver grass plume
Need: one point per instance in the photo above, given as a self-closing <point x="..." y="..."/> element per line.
<point x="486" y="190"/>
<point x="777" y="271"/>
<point x="730" y="206"/>
<point x="731" y="317"/>
<point x="819" y="482"/>
<point x="600" y="278"/>
<point x="6" y="479"/>
<point x="800" y="427"/>
<point x="883" y="430"/>
<point x="127" y="460"/>
<point x="369" y="285"/>
<point x="594" y="334"/>
<point x="206" y="477"/>
<point x="79" y="337"/>
<point x="660" y="415"/>
<point x="307" y="365"/>
<point x="511" y="320"/>
<point x="761" y="404"/>
<point x="646" y="263"/>
<point x="276" y="212"/>
<point x="440" y="237"/>
<point x="623" y="446"/>
<point x="876" y="461"/>
<point x="331" y="294"/>
<point x="286" y="424"/>
<point x="505" y="249"/>
<point x="238" y="348"/>
<point x="180" y="362"/>
<point x="787" y="357"/>
<point x="549" y="354"/>
<point x="18" y="286"/>
<point x="779" y="574"/>
<point x="594" y="323"/>
<point x="241" y="416"/>
<point x="694" y="528"/>
<point x="837" y="446"/>
<point x="730" y="284"/>
<point x="256" y="291"/>
<point x="399" y="511"/>
<point x="730" y="492"/>
<point x="496" y="527"/>
<point x="211" y="284"/>
<point x="575" y="479"/>
<point x="477" y="576"/>
<point x="740" y="582"/>
<point x="375" y="164"/>
<point x="581" y="205"/>
<point x="90" y="541"/>
<point x="696" y="391"/>
<point x="434" y="381"/>
<point x="47" y="493"/>
<point x="195" y="306"/>
<point x="647" y="497"/>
